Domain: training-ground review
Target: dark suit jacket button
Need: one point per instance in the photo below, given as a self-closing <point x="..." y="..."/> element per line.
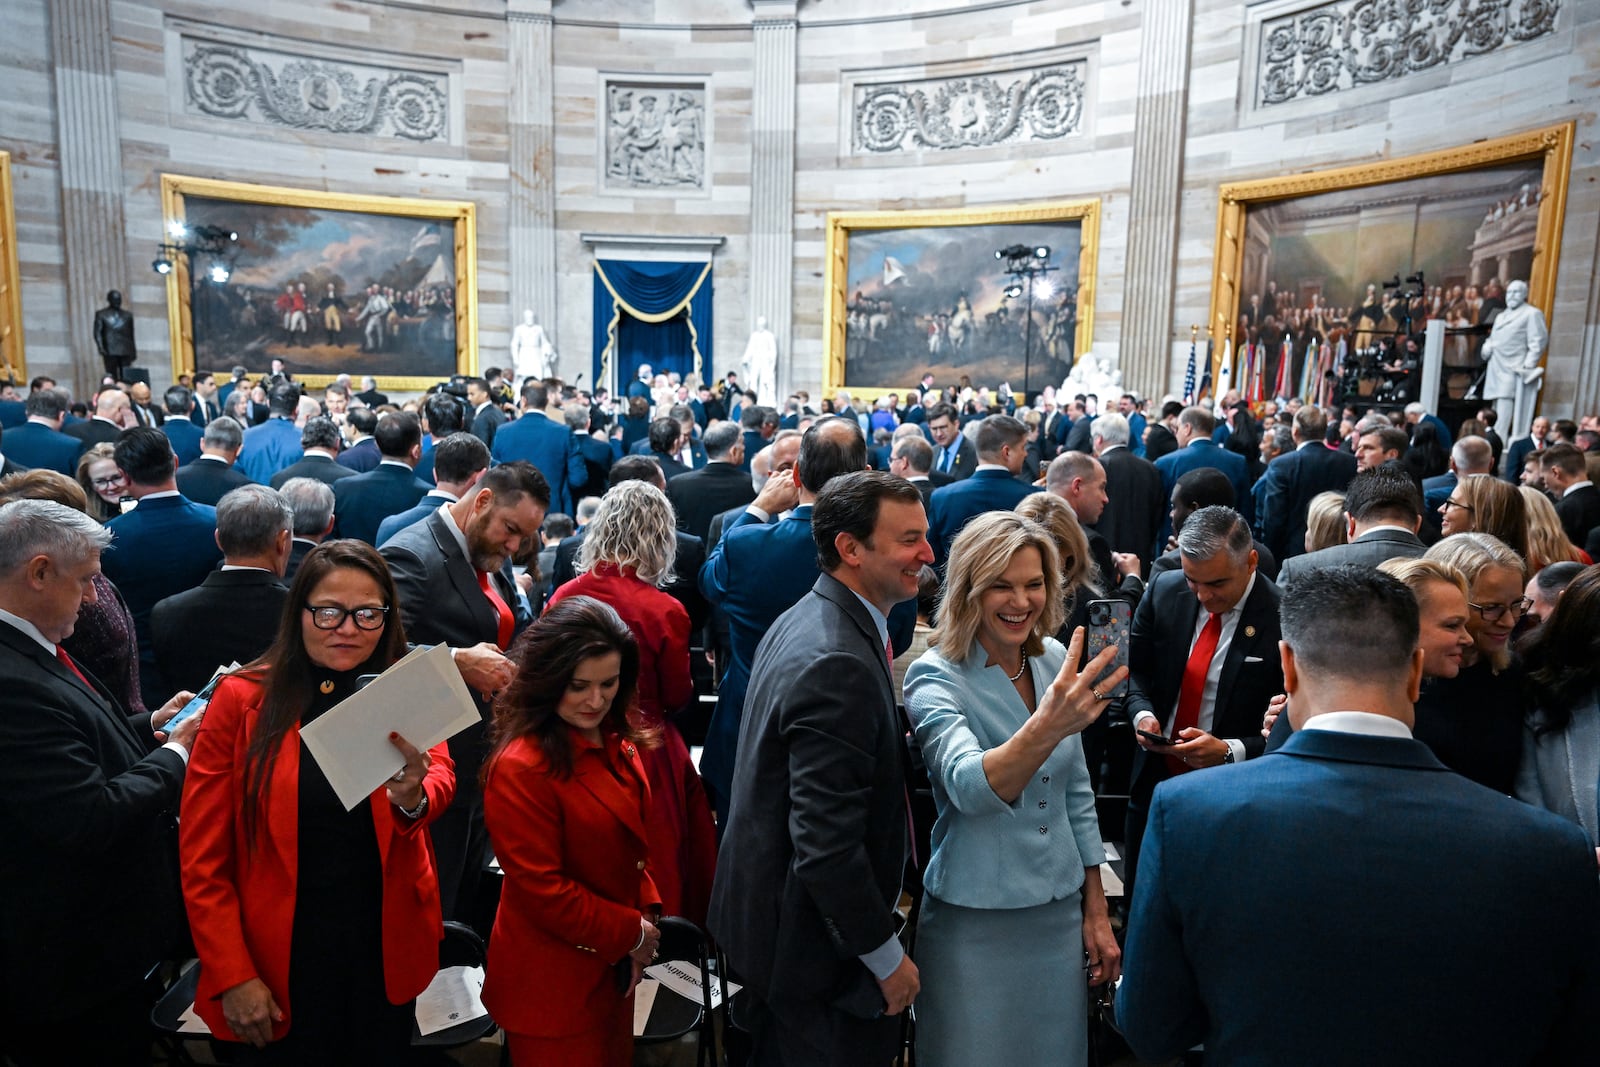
<point x="1041" y="804"/>
<point x="1045" y="779"/>
<point x="1044" y="829"/>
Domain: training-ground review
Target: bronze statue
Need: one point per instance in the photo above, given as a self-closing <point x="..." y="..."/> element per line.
<point x="113" y="335"/>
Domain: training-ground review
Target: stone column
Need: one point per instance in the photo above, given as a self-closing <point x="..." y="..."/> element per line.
<point x="1159" y="126"/>
<point x="532" y="245"/>
<point x="772" y="109"/>
<point x="92" y="226"/>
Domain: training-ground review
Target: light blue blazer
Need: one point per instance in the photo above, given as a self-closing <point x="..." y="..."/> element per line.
<point x="987" y="853"/>
<point x="1559" y="770"/>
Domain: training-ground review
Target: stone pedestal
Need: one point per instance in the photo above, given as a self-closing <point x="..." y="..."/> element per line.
<point x="772" y="110"/>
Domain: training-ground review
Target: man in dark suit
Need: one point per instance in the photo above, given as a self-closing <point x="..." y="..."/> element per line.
<point x="1135" y="505"/>
<point x="90" y="902"/>
<point x="993" y="485"/>
<point x="756" y="432"/>
<point x="211" y="476"/>
<point x="144" y="410"/>
<point x="364" y="501"/>
<point x="167" y="544"/>
<point x="453" y="573"/>
<point x="184" y="435"/>
<point x="319" y="455"/>
<point x="443" y="414"/>
<point x="361" y="453"/>
<point x="1266" y="877"/>
<point x="273" y="445"/>
<point x="39" y="442"/>
<point x="312" y="503"/>
<point x="911" y="458"/>
<point x="112" y="414"/>
<point x="1381" y="508"/>
<point x="1196" y="448"/>
<point x="253" y="531"/>
<point x="953" y="453"/>
<point x="486" y="414"/>
<point x="1080" y="480"/>
<point x="1577" y="500"/>
<point x="7" y="467"/>
<point x="546" y="444"/>
<point x="1204" y="487"/>
<point x="459" y="461"/>
<point x="688" y="453"/>
<point x="1468" y="456"/>
<point x="593" y="447"/>
<point x="666" y="437"/>
<point x="12" y="413"/>
<point x="721" y="484"/>
<point x="1203" y="660"/>
<point x="1293" y="480"/>
<point x="369" y="394"/>
<point x="207" y="402"/>
<point x="814" y="847"/>
<point x="1160" y="439"/>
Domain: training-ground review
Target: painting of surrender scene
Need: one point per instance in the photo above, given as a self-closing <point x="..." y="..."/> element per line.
<point x="328" y="291"/>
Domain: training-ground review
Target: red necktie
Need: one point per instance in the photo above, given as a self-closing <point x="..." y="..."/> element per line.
<point x="66" y="661"/>
<point x="1194" y="685"/>
<point x="507" y="620"/>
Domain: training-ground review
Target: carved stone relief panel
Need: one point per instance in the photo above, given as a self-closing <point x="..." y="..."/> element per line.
<point x="657" y="133"/>
<point x="970" y="111"/>
<point x="1346" y="44"/>
<point x="225" y="80"/>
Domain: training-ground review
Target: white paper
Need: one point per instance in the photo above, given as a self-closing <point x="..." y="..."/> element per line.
<point x="1111" y="850"/>
<point x="644" y="998"/>
<point x="190" y="1023"/>
<point x="683" y="978"/>
<point x="1109" y="882"/>
<point x="422" y="698"/>
<point x="452" y="998"/>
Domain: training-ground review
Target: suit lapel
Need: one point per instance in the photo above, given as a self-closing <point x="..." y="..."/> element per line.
<point x="101" y="697"/>
<point x="613" y="794"/>
<point x="1246" y="638"/>
<point x="465" y="579"/>
<point x="830" y="588"/>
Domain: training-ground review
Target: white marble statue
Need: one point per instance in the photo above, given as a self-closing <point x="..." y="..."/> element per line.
<point x="1093" y="376"/>
<point x="532" y="354"/>
<point x="1516" y="341"/>
<point x="760" y="364"/>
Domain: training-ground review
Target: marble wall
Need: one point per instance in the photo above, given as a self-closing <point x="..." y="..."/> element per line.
<point x="1165" y="100"/>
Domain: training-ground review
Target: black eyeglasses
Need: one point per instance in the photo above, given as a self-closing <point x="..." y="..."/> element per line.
<point x="1491" y="612"/>
<point x="1458" y="504"/>
<point x="331" y="618"/>
<point x="106" y="483"/>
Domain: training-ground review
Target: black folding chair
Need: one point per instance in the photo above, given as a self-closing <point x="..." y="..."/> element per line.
<point x="461" y="947"/>
<point x="673" y="1017"/>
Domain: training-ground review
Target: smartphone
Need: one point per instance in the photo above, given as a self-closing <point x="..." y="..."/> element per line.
<point x="1156" y="739"/>
<point x="1109" y="621"/>
<point x="195" y="705"/>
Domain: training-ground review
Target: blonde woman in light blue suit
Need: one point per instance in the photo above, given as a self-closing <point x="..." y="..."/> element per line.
<point x="1014" y="923"/>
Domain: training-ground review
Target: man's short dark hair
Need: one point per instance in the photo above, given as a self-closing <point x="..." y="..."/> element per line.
<point x="145" y="455"/>
<point x="398" y="433"/>
<point x="1566" y="428"/>
<point x="320" y="432"/>
<point x="444" y="413"/>
<point x="719" y="439"/>
<point x="997" y="431"/>
<point x="1568" y="458"/>
<point x="177" y="400"/>
<point x="201" y="376"/>
<point x="283" y="399"/>
<point x="1213" y="531"/>
<point x="535" y="397"/>
<point x="664" y="434"/>
<point x="942" y="411"/>
<point x="1205" y="487"/>
<point x="558" y="524"/>
<point x="1350" y="622"/>
<point x="750" y="417"/>
<point x="1555" y="577"/>
<point x="1171" y="409"/>
<point x="831" y="447"/>
<point x="1383" y="493"/>
<point x="516" y="479"/>
<point x="458" y="457"/>
<point x="770" y="417"/>
<point x="365" y="420"/>
<point x="916" y="451"/>
<point x="1199" y="420"/>
<point x="475" y="383"/>
<point x="1390" y="439"/>
<point x="636" y="469"/>
<point x="1310" y="423"/>
<point x="849" y="504"/>
<point x="48" y="403"/>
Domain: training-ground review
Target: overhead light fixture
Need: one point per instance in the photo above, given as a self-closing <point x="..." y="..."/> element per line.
<point x="216" y="243"/>
<point x="1013" y="291"/>
<point x="1043" y="251"/>
<point x="177" y="229"/>
<point x="219" y="273"/>
<point x="161" y="265"/>
<point x="1043" y="289"/>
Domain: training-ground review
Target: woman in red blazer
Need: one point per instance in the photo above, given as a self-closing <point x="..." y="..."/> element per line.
<point x="564" y="799"/>
<point x="628" y="553"/>
<point x="316" y="927"/>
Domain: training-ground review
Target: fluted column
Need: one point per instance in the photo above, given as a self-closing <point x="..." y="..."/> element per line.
<point x="1159" y="126"/>
<point x="91" y="180"/>
<point x="772" y="109"/>
<point x="533" y="162"/>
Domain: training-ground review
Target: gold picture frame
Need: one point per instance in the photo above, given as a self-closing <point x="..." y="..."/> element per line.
<point x="1548" y="148"/>
<point x="843" y="226"/>
<point x="13" y="364"/>
<point x="177" y="192"/>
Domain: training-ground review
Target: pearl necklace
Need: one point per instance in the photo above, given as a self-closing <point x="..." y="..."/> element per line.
<point x="1022" y="668"/>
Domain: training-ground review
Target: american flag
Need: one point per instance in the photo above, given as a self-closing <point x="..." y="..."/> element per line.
<point x="1188" y="377"/>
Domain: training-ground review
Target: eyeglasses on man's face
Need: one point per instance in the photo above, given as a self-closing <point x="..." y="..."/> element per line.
<point x="1491" y="612"/>
<point x="330" y="617"/>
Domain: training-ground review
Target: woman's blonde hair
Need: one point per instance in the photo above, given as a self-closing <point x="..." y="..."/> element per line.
<point x="1417" y="573"/>
<point x="1061" y="523"/>
<point x="97" y="508"/>
<point x="1325" y="526"/>
<point x="980" y="555"/>
<point x="1547" y="541"/>
<point x="1497" y="510"/>
<point x="1473" y="553"/>
<point x="634" y="527"/>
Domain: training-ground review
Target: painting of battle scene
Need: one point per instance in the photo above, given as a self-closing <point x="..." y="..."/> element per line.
<point x="935" y="299"/>
<point x="1344" y="266"/>
<point x="328" y="291"/>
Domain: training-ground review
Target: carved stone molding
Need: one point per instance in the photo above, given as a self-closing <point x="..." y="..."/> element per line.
<point x="657" y="134"/>
<point x="970" y="111"/>
<point x="1347" y="44"/>
<point x="249" y="84"/>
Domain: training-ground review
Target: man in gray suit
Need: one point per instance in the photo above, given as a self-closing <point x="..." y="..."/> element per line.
<point x="1384" y="511"/>
<point x="815" y="845"/>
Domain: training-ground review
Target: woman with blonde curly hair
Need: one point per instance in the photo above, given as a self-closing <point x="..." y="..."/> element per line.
<point x="1482" y="503"/>
<point x="1325" y="525"/>
<point x="627" y="557"/>
<point x="1547" y="541"/>
<point x="102" y="482"/>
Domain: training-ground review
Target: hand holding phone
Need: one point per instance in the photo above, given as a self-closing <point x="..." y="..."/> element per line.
<point x="1156" y="739"/>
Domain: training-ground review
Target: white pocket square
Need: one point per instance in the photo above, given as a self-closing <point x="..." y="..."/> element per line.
<point x="1252" y="659"/>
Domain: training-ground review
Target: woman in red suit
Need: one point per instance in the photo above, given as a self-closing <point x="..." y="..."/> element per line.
<point x="564" y="799"/>
<point x="316" y="927"/>
<point x="628" y="553"/>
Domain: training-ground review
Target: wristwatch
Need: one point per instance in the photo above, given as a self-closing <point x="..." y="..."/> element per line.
<point x="1227" y="756"/>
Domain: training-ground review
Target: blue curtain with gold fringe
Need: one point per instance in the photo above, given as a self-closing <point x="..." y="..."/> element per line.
<point x="648" y="312"/>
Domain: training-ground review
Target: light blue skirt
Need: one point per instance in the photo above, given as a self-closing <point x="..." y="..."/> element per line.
<point x="1002" y="986"/>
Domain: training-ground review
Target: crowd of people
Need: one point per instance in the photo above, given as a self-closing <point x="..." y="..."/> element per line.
<point x="1358" y="673"/>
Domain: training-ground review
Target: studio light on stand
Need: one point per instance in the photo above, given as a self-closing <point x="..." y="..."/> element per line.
<point x="218" y="245"/>
<point x="1029" y="269"/>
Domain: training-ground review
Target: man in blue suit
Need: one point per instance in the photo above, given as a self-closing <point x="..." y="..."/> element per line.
<point x="1002" y="449"/>
<point x="1196" y="449"/>
<point x="547" y="444"/>
<point x="275" y="444"/>
<point x="1293" y="480"/>
<point x="459" y="461"/>
<point x="363" y="501"/>
<point x="39" y="442"/>
<point x="184" y="434"/>
<point x="1278" y="874"/>
<point x="164" y="546"/>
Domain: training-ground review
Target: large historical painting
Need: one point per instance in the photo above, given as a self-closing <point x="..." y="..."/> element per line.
<point x="12" y="366"/>
<point x="329" y="285"/>
<point x="921" y="292"/>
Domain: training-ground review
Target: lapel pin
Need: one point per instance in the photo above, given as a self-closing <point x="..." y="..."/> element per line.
<point x="327" y="687"/>
<point x="1249" y="631"/>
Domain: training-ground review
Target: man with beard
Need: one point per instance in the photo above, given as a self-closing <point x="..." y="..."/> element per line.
<point x="453" y="573"/>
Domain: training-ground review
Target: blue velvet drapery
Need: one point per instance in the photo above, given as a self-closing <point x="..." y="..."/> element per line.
<point x="648" y="312"/>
